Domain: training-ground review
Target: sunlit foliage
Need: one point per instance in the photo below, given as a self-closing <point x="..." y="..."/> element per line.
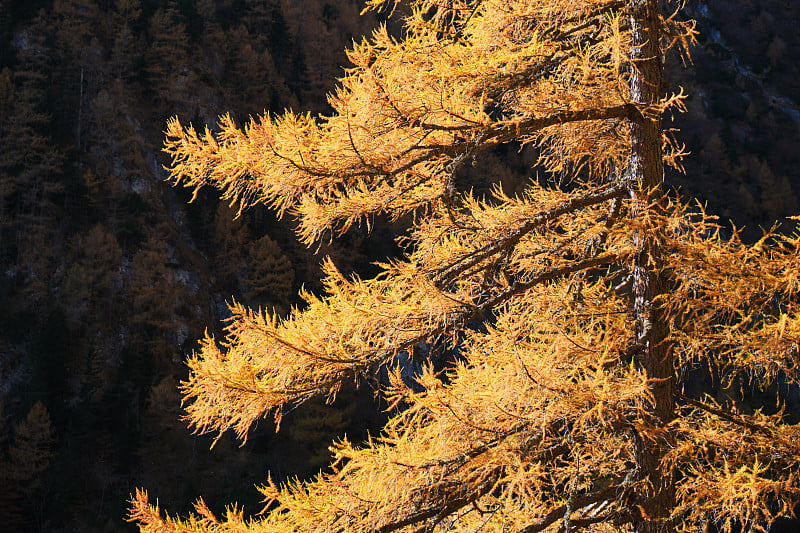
<point x="579" y="310"/>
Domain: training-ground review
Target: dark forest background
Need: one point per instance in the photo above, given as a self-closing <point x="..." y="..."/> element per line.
<point x="108" y="276"/>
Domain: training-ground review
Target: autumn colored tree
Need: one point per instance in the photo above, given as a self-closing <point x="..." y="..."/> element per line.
<point x="123" y="50"/>
<point x="30" y="164"/>
<point x="325" y="28"/>
<point x="168" y="67"/>
<point x="30" y="453"/>
<point x="270" y="275"/>
<point x="29" y="456"/>
<point x="91" y="282"/>
<point x="11" y="512"/>
<point x="581" y="311"/>
<point x="154" y="294"/>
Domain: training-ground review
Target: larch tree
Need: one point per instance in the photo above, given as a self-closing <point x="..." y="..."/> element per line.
<point x="30" y="164"/>
<point x="580" y="312"/>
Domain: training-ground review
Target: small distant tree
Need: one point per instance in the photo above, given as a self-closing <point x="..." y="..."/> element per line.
<point x="582" y="311"/>
<point x="30" y="453"/>
<point x="167" y="58"/>
<point x="11" y="511"/>
<point x="30" y="164"/>
<point x="270" y="275"/>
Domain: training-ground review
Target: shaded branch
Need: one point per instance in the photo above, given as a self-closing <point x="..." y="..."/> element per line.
<point x="578" y="501"/>
<point x="732" y="418"/>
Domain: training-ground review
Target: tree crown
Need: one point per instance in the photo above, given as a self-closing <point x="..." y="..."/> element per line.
<point x="578" y="311"/>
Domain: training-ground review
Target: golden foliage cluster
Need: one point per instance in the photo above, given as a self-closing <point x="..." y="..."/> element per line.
<point x="541" y="424"/>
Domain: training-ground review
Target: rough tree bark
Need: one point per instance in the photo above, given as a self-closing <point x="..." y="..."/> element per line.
<point x="657" y="495"/>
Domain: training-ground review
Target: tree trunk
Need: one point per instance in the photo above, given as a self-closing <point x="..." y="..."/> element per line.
<point x="657" y="494"/>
